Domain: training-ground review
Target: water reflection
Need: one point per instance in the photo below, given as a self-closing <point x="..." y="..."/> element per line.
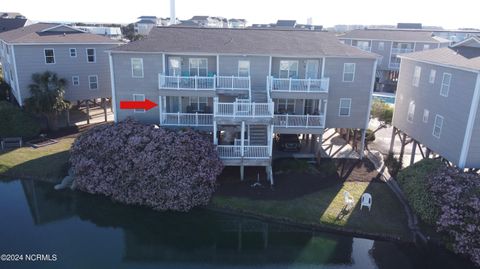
<point x="124" y="236"/>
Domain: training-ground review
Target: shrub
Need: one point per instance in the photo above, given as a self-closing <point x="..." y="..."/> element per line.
<point x="393" y="164"/>
<point x="369" y="136"/>
<point x="16" y="123"/>
<point x="414" y="183"/>
<point x="140" y="165"/>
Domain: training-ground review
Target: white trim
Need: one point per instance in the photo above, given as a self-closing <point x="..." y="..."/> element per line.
<point x="443" y="83"/>
<point x="131" y="65"/>
<point x="218" y="65"/>
<point x="238" y="67"/>
<point x="470" y="124"/>
<point x="416" y="76"/>
<point x="411" y="110"/>
<point x="474" y="38"/>
<point x="343" y="73"/>
<point x="270" y="66"/>
<point x="70" y="52"/>
<point x="78" y="80"/>
<point x="435" y="124"/>
<point x="426" y="115"/>
<point x="94" y="55"/>
<point x="112" y="84"/>
<point x="164" y="63"/>
<point x="20" y="101"/>
<point x="198" y="69"/>
<point x="432" y="76"/>
<point x="340" y="107"/>
<point x="135" y="111"/>
<point x="398" y="41"/>
<point x="288" y="71"/>
<point x="323" y="68"/>
<point x="45" y="55"/>
<point x="372" y="86"/>
<point x="89" y="83"/>
<point x="62" y="25"/>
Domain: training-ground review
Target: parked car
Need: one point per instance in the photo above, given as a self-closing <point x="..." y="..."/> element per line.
<point x="288" y="142"/>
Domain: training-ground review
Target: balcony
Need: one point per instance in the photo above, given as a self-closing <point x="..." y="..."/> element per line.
<point x="394" y="65"/>
<point x="245" y="152"/>
<point x="299" y="121"/>
<point x="230" y="83"/>
<point x="401" y="50"/>
<point x="186" y="119"/>
<point x="299" y="85"/>
<point x="242" y="109"/>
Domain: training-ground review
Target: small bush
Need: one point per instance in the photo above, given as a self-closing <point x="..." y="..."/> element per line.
<point x="393" y="164"/>
<point x="140" y="165"/>
<point x="16" y="123"/>
<point x="369" y="136"/>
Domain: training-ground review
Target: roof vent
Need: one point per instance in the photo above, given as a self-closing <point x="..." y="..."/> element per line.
<point x="64" y="34"/>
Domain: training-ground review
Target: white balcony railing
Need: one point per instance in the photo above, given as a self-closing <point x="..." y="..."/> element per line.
<point x="189" y="83"/>
<point x="242" y="109"/>
<point x="186" y="119"/>
<point x="299" y="121"/>
<point x="245" y="152"/>
<point x="394" y="65"/>
<point x="299" y="85"/>
<point x="401" y="50"/>
<point x="233" y="83"/>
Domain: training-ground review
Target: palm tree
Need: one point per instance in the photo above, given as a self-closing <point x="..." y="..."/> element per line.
<point x="47" y="96"/>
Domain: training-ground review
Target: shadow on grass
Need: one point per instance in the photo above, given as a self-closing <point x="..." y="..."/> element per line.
<point x="51" y="167"/>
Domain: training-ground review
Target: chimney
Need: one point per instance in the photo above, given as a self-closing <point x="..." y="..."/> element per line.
<point x="173" y="19"/>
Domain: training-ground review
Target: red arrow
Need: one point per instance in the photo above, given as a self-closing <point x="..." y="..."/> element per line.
<point x="147" y="104"/>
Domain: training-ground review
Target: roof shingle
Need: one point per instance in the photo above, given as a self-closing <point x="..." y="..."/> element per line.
<point x="462" y="57"/>
<point x="394" y="35"/>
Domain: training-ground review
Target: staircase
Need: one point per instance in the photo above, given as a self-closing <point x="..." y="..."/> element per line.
<point x="258" y="135"/>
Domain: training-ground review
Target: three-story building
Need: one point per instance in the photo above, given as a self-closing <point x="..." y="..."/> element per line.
<point x="389" y="44"/>
<point x="437" y="101"/>
<point x="245" y="85"/>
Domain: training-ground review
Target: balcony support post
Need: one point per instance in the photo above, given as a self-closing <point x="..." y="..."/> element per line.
<point x="242" y="137"/>
<point x="289" y="84"/>
<point x="215" y="139"/>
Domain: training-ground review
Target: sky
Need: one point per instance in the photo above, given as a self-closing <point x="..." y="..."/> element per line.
<point x="456" y="14"/>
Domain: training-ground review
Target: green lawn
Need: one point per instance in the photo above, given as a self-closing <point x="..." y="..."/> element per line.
<point x="324" y="208"/>
<point x="47" y="163"/>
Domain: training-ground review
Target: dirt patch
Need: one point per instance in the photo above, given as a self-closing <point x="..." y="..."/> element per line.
<point x="293" y="183"/>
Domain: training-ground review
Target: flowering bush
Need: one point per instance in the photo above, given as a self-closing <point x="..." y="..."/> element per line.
<point x="458" y="195"/>
<point x="140" y="165"/>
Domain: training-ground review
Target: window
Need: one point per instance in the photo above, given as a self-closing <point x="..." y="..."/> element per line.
<point x="345" y="106"/>
<point x="381" y="45"/>
<point x="198" y="104"/>
<point x="198" y="67"/>
<point x="243" y="68"/>
<point x="348" y="72"/>
<point x="91" y="55"/>
<point x="431" y="78"/>
<point x="437" y="126"/>
<point x="363" y="45"/>
<point x="416" y="76"/>
<point x="137" y="67"/>
<point x="288" y="69"/>
<point x="411" y="111"/>
<point x="93" y="82"/>
<point x="426" y="46"/>
<point x="426" y="113"/>
<point x="174" y="66"/>
<point x="49" y="56"/>
<point x="75" y="80"/>
<point x="447" y="78"/>
<point x="140" y="98"/>
<point x="73" y="52"/>
<point x="285" y="106"/>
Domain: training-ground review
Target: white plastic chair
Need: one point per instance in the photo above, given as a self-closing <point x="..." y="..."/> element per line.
<point x="348" y="198"/>
<point x="366" y="200"/>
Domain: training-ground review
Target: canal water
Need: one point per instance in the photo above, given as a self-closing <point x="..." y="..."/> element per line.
<point x="85" y="231"/>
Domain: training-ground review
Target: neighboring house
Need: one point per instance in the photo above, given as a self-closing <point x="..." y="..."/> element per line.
<point x="288" y="25"/>
<point x="389" y="44"/>
<point x="437" y="101"/>
<point x="211" y="22"/>
<point x="110" y="32"/>
<point x="145" y="24"/>
<point x="244" y="85"/>
<point x="11" y="21"/>
<point x="237" y="23"/>
<point x="75" y="55"/>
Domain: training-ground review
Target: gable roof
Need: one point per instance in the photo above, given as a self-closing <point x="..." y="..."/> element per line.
<point x="7" y="24"/>
<point x="395" y="35"/>
<point x="244" y="42"/>
<point x="52" y="33"/>
<point x="461" y="57"/>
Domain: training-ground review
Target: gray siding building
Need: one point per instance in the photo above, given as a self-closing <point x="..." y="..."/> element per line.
<point x="437" y="101"/>
<point x="389" y="44"/>
<point x="73" y="54"/>
<point x="244" y="85"/>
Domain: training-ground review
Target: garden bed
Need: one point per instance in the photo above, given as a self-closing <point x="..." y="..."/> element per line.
<point x="41" y="142"/>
